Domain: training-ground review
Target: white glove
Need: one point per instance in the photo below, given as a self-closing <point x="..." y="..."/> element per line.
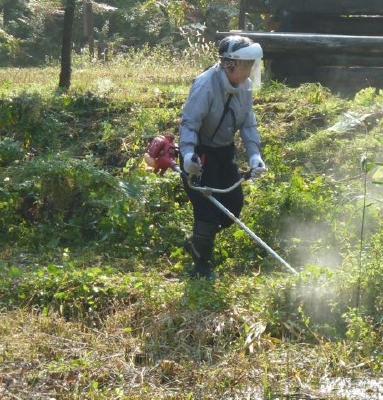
<point x="192" y="164"/>
<point x="257" y="166"/>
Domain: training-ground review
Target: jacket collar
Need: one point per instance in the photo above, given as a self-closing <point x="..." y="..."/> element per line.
<point x="227" y="86"/>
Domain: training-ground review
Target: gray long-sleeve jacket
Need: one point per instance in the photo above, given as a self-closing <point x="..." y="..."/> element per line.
<point x="205" y="106"/>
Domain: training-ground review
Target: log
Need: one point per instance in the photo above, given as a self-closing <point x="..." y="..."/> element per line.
<point x="349" y="80"/>
<point x="335" y="7"/>
<point x="337" y="25"/>
<point x="337" y="78"/>
<point x="347" y="60"/>
<point x="334" y="42"/>
<point x="328" y="60"/>
<point x="277" y="43"/>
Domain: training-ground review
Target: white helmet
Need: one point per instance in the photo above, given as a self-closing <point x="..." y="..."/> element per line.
<point x="240" y="48"/>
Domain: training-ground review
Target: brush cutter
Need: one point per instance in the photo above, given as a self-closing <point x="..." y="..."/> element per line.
<point x="160" y="155"/>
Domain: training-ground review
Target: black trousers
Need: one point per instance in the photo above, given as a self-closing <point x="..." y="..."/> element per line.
<point x="220" y="170"/>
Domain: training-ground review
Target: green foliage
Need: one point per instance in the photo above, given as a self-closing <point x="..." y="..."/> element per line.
<point x="368" y="96"/>
<point x="26" y="118"/>
<point x="69" y="290"/>
<point x="308" y="198"/>
<point x="62" y="200"/>
<point x="10" y="151"/>
<point x="33" y="32"/>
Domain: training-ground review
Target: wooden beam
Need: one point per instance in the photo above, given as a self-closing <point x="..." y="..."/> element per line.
<point x="277" y="42"/>
<point x="297" y="71"/>
<point x="355" y="78"/>
<point x="334" y="7"/>
<point x="337" y="25"/>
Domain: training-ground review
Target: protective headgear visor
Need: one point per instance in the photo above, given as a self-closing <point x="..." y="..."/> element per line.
<point x="251" y="52"/>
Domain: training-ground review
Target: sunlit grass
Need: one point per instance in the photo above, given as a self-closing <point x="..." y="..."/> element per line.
<point x="135" y="76"/>
<point x="117" y="82"/>
<point x="16" y="80"/>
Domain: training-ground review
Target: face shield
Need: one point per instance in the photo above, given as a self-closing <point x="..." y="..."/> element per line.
<point x="256" y="75"/>
<point x="252" y="52"/>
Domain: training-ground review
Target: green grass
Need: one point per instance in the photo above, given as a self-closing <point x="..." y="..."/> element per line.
<point x="94" y="299"/>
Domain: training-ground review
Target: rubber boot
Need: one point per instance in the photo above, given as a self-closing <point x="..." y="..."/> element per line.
<point x="201" y="246"/>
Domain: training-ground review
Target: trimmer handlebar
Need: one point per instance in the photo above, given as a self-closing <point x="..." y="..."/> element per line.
<point x="193" y="182"/>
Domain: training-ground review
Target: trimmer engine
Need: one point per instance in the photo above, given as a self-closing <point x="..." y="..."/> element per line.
<point x="161" y="153"/>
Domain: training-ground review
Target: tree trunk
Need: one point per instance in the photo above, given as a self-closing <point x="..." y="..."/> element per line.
<point x="88" y="26"/>
<point x="242" y="14"/>
<point x="6" y="12"/>
<point x="66" y="48"/>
